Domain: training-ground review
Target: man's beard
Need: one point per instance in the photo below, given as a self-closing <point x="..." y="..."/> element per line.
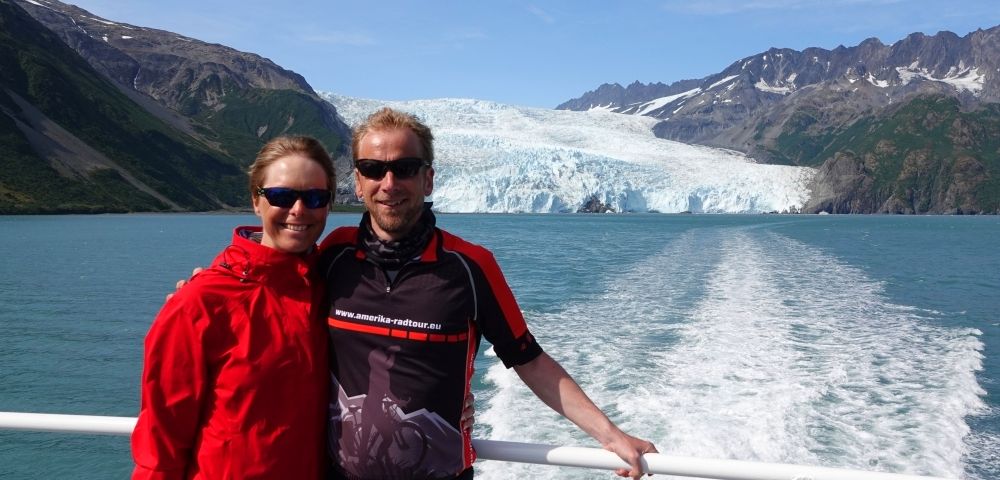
<point x="398" y="223"/>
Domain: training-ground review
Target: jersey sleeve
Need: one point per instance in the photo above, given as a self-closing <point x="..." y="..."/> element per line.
<point x="173" y="389"/>
<point x="498" y="315"/>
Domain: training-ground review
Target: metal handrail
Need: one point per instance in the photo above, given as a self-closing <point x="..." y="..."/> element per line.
<point x="520" y="452"/>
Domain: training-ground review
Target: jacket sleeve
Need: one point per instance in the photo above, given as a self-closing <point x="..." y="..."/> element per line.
<point x="173" y="390"/>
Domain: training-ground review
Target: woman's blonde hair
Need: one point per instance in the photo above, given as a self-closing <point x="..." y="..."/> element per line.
<point x="284" y="146"/>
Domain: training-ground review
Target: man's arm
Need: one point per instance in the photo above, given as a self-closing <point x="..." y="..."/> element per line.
<point x="553" y="386"/>
<point x="180" y="283"/>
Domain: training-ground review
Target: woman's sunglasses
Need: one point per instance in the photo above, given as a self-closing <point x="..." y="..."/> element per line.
<point x="282" y="197"/>
<point x="401" y="169"/>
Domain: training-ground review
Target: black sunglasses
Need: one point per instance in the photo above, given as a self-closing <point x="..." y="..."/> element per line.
<point x="282" y="197"/>
<point x="402" y="168"/>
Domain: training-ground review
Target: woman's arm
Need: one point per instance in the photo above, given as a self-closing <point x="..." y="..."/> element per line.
<point x="173" y="387"/>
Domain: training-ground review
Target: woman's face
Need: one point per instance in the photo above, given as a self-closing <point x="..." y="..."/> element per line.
<point x="294" y="229"/>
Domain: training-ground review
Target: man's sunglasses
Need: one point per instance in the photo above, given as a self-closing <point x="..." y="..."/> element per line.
<point x="282" y="197"/>
<point x="401" y="169"/>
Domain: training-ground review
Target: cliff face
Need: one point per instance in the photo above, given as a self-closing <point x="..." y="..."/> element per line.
<point x="928" y="156"/>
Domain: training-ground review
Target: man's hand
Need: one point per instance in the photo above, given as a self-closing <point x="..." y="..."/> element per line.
<point x="469" y="412"/>
<point x="181" y="283"/>
<point x="554" y="387"/>
<point x="631" y="450"/>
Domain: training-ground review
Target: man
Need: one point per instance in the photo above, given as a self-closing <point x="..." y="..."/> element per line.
<point x="397" y="283"/>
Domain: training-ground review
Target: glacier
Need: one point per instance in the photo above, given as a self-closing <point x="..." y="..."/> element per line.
<point x="497" y="158"/>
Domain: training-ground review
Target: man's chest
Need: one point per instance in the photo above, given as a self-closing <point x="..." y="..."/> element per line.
<point x="419" y="300"/>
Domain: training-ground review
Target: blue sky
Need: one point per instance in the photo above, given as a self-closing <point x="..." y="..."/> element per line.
<point x="531" y="53"/>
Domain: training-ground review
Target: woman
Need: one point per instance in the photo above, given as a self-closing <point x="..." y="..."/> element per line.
<point x="235" y="381"/>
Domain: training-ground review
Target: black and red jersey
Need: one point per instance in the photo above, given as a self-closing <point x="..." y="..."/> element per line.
<point x="402" y="353"/>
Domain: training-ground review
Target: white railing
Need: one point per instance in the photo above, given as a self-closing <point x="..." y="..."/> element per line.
<point x="519" y="452"/>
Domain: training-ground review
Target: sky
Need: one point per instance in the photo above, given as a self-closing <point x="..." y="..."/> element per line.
<point x="536" y="54"/>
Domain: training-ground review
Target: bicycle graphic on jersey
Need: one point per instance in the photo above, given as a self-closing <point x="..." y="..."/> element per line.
<point x="377" y="436"/>
<point x="387" y="444"/>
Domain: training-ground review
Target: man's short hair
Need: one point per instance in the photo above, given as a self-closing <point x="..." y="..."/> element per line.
<point x="389" y="119"/>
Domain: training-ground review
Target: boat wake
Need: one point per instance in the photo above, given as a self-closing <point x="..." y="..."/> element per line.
<point x="741" y="343"/>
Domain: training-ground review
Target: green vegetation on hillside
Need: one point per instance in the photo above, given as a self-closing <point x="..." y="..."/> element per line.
<point x="28" y="185"/>
<point x="802" y="140"/>
<point x="925" y="156"/>
<point x="252" y="117"/>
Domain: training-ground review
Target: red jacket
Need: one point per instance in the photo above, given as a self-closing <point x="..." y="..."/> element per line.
<point x="235" y="380"/>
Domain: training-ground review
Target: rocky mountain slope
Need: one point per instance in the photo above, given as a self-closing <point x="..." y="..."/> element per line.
<point x="224" y="102"/>
<point x="70" y="141"/>
<point x="806" y="108"/>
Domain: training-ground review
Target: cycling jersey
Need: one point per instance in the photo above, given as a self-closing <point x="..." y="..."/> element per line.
<point x="402" y="355"/>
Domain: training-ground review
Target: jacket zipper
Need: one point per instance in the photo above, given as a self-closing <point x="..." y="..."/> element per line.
<point x="390" y="282"/>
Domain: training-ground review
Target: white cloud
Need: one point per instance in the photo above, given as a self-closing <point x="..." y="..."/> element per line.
<point x="541" y="14"/>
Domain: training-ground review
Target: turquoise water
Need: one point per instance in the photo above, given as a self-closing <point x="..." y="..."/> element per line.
<point x="865" y="342"/>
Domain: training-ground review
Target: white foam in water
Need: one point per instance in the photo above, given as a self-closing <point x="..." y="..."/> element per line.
<point x="743" y="344"/>
<point x="605" y="345"/>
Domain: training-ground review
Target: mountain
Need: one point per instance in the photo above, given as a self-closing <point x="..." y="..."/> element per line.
<point x="223" y="102"/>
<point x="492" y="157"/>
<point x="631" y="99"/>
<point x="803" y="108"/>
<point x="234" y="100"/>
<point x="70" y="141"/>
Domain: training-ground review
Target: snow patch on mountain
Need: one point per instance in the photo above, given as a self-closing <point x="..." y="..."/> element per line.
<point x="492" y="157"/>
<point x="961" y="77"/>
<point x="766" y="87"/>
<point x="722" y="82"/>
<point x="874" y="81"/>
<point x="660" y="102"/>
<point x="607" y="108"/>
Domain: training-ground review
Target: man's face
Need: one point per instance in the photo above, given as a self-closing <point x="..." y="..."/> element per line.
<point x="395" y="204"/>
